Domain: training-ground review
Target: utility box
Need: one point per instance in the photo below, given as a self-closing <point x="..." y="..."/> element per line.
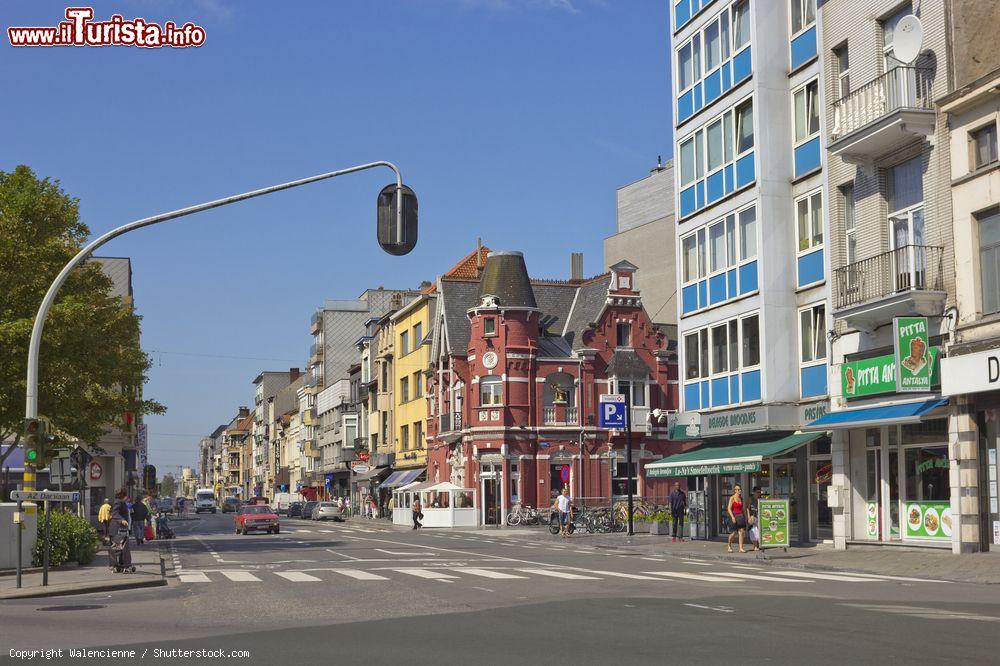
<point x="8" y="534"/>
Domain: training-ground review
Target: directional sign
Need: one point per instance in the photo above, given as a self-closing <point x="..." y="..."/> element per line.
<point x="612" y="412"/>
<point x="42" y="495"/>
<point x="61" y="470"/>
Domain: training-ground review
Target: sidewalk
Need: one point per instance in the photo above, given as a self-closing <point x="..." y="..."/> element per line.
<point x="94" y="577"/>
<point x="917" y="563"/>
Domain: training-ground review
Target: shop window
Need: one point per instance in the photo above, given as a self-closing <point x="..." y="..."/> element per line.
<point x="490" y="391"/>
<point x="989" y="260"/>
<point x="620" y="480"/>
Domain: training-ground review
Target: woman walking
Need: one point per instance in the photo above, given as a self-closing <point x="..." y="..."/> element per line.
<point x="736" y="514"/>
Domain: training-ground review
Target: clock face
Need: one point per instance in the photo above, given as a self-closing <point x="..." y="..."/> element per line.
<point x="490" y="360"/>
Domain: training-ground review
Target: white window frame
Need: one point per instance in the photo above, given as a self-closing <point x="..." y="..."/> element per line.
<point x="819" y="335"/>
<point x="732" y="248"/>
<point x="812" y="244"/>
<point x="843" y="73"/>
<point x="705" y="336"/>
<point x="616" y="386"/>
<point x="495" y="394"/>
<point x="803" y="6"/>
<point x="699" y="56"/>
<point x="809" y="136"/>
<point x="850" y="222"/>
<point x="618" y="334"/>
<point x="974" y="154"/>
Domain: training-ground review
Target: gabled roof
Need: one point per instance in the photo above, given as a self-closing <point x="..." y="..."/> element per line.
<point x="590" y="300"/>
<point x="470" y="265"/>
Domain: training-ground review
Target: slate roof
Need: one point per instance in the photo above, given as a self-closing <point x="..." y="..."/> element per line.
<point x="627" y="363"/>
<point x="589" y="302"/>
<point x="506" y="277"/>
<point x="458" y="296"/>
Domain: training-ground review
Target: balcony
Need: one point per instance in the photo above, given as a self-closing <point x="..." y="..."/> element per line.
<point x="560" y="415"/>
<point x="316" y="323"/>
<point x="882" y="114"/>
<point x="907" y="281"/>
<point x="315" y="353"/>
<point x="309" y="417"/>
<point x="451" y="421"/>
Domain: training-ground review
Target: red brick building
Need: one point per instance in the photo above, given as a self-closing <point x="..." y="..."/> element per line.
<point x="517" y="368"/>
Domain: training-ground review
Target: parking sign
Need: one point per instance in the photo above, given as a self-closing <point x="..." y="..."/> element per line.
<point x="612" y="412"/>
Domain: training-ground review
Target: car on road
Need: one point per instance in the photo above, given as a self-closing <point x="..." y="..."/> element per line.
<point x="307" y="509"/>
<point x="204" y="500"/>
<point x="295" y="509"/>
<point x="328" y="511"/>
<point x="230" y="505"/>
<point x="260" y="518"/>
<point x="165" y="505"/>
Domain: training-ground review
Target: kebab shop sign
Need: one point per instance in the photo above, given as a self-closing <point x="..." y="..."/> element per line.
<point x="913" y="362"/>
<point x="913" y="367"/>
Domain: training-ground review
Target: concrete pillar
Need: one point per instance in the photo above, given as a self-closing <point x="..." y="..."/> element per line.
<point x="840" y="487"/>
<point x="963" y="451"/>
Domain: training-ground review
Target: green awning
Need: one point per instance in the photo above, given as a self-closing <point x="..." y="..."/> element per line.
<point x="727" y="459"/>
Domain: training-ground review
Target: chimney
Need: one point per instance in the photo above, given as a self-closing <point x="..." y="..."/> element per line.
<point x="576" y="266"/>
<point x="506" y="277"/>
<point x="244" y="412"/>
<point x="479" y="253"/>
<point x="293" y="374"/>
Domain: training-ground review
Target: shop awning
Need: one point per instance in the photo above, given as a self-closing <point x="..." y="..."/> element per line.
<point x="727" y="459"/>
<point x="907" y="412"/>
<point x="401" y="478"/>
<point x="370" y="474"/>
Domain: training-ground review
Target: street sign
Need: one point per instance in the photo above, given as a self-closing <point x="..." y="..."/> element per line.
<point x="43" y="495"/>
<point x="96" y="471"/>
<point x="361" y="468"/>
<point x="612" y="412"/>
<point x="61" y="470"/>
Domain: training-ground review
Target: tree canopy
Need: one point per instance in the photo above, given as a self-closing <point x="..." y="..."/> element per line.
<point x="91" y="369"/>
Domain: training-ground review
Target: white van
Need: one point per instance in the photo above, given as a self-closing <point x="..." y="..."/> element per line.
<point x="282" y="500"/>
<point x="204" y="500"/>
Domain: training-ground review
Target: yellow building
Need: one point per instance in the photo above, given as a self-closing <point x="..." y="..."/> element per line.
<point x="412" y="324"/>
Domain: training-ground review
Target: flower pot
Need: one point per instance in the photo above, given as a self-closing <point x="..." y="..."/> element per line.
<point x="659" y="527"/>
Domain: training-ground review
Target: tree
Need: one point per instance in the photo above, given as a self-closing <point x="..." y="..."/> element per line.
<point x="92" y="368"/>
<point x="168" y="486"/>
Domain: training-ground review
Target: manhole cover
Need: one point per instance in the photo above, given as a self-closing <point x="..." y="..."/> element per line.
<point x="71" y="608"/>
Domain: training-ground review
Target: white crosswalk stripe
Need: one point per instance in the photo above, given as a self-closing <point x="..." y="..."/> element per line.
<point x="298" y="576"/>
<point x="824" y="576"/>
<point x="683" y="575"/>
<point x="241" y="576"/>
<point x="487" y="573"/>
<point x="196" y="577"/>
<point x="358" y="574"/>
<point x="754" y="576"/>
<point x="427" y="573"/>
<point x="617" y="574"/>
<point x="558" y="574"/>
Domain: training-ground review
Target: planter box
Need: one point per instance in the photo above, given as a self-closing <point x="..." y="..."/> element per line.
<point x="660" y="528"/>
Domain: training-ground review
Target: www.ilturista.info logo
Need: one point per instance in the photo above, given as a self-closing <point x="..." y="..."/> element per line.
<point x="81" y="30"/>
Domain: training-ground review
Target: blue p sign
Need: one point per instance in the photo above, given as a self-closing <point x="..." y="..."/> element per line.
<point x="612" y="412"/>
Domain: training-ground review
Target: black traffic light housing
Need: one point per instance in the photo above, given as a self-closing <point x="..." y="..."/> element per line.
<point x="388" y="229"/>
<point x="39" y="443"/>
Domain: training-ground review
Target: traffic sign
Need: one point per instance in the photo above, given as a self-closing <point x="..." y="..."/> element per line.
<point x="612" y="412"/>
<point x="361" y="468"/>
<point x="61" y="470"/>
<point x="43" y="495"/>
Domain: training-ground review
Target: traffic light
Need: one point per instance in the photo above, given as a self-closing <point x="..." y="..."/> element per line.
<point x="394" y="238"/>
<point x="39" y="444"/>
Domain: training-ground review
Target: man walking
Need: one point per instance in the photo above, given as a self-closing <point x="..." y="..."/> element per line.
<point x="417" y="513"/>
<point x="563" y="507"/>
<point x="678" y="508"/>
<point x="140" y="514"/>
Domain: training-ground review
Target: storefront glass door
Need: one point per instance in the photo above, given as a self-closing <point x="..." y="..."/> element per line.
<point x="820" y="515"/>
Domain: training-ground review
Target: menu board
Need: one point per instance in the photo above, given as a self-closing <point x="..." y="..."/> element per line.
<point x="774" y="523"/>
<point x="927" y="520"/>
<point x="872" y="520"/>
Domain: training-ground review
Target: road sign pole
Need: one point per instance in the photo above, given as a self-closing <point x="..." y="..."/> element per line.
<point x="19" y="527"/>
<point x="45" y="550"/>
<point x="628" y="454"/>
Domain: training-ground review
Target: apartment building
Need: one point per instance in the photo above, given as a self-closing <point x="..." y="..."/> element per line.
<point x="266" y="386"/>
<point x="752" y="268"/>
<point x="412" y="325"/>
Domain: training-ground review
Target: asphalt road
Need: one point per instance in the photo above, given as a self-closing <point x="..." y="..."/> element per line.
<point x="364" y="592"/>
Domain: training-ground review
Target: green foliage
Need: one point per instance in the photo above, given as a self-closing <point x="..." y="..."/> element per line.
<point x="660" y="517"/>
<point x="72" y="538"/>
<point x="92" y="368"/>
<point x="168" y="485"/>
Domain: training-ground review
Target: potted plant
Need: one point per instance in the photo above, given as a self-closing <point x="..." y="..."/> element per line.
<point x="660" y="523"/>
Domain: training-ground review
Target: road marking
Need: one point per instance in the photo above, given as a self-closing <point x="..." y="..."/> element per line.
<point x="328" y="531"/>
<point x="426" y="573"/>
<point x="358" y="574"/>
<point x="652" y="559"/>
<point x="486" y="573"/>
<point x="196" y="577"/>
<point x="297" y="576"/>
<point x="361" y="529"/>
<point x="720" y="609"/>
<point x="698" y="563"/>
<point x="616" y="574"/>
<point x="410" y="552"/>
<point x="683" y="575"/>
<point x="823" y="576"/>
<point x="902" y="578"/>
<point x="241" y="576"/>
<point x="757" y="577"/>
<point x="925" y="613"/>
<point x="743" y="566"/>
<point x="558" y="574"/>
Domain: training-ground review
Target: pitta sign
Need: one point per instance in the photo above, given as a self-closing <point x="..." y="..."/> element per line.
<point x="913" y="363"/>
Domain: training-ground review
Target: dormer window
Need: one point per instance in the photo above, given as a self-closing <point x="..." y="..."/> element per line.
<point x="624" y="282"/>
<point x="489" y="326"/>
<point x="624" y="338"/>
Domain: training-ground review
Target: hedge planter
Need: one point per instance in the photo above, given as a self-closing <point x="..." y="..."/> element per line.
<point x="659" y="527"/>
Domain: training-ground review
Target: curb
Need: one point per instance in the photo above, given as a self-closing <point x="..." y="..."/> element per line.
<point x="86" y="588"/>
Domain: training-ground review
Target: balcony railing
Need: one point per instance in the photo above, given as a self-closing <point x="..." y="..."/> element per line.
<point x="908" y="268"/>
<point x="899" y="88"/>
<point x="315" y="350"/>
<point x="316" y="323"/>
<point x="451" y="421"/>
<point x="550" y="417"/>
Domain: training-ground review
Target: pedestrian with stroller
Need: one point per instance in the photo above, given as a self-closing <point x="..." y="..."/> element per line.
<point x="678" y="509"/>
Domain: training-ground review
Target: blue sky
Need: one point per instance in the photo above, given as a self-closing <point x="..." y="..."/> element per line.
<point x="513" y="120"/>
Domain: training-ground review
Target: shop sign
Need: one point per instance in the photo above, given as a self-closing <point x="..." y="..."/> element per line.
<point x="927" y="520"/>
<point x="774" y="532"/>
<point x="996" y="531"/>
<point x="971" y="373"/>
<point x="873" y="520"/>
<point x="873" y="376"/>
<point x="703" y="470"/>
<point x="817" y="410"/>
<point x="913" y="362"/>
<point x="762" y="417"/>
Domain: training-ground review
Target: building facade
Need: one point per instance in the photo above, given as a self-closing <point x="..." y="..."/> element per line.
<point x="412" y="325"/>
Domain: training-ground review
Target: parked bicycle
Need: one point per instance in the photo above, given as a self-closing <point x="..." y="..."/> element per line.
<point x="522" y="515"/>
<point x="554" y="521"/>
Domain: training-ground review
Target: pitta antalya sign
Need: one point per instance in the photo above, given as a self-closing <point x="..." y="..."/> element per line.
<point x="971" y="373"/>
<point x="913" y="362"/>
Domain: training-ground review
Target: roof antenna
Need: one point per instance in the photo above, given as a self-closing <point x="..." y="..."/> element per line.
<point x="659" y="165"/>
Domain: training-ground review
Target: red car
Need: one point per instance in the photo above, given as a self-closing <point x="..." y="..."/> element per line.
<point x="256" y="517"/>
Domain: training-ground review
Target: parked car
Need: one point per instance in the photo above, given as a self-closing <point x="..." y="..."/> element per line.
<point x="230" y="504"/>
<point x="165" y="505"/>
<point x="328" y="511"/>
<point x="295" y="510"/>
<point x="307" y="509"/>
<point x="257" y="517"/>
<point x="282" y="500"/>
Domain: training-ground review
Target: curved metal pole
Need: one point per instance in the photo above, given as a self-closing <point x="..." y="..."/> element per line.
<point x="31" y="402"/>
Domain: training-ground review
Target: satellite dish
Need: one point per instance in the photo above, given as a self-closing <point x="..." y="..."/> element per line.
<point x="907" y="38"/>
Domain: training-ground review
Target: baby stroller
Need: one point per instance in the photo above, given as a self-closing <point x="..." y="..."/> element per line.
<point x="119" y="553"/>
<point x="163" y="530"/>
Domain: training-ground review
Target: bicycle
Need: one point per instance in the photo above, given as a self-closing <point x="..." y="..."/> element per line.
<point x="554" y="522"/>
<point x="522" y="515"/>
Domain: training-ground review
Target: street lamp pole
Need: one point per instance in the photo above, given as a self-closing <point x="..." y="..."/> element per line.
<point x="31" y="401"/>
